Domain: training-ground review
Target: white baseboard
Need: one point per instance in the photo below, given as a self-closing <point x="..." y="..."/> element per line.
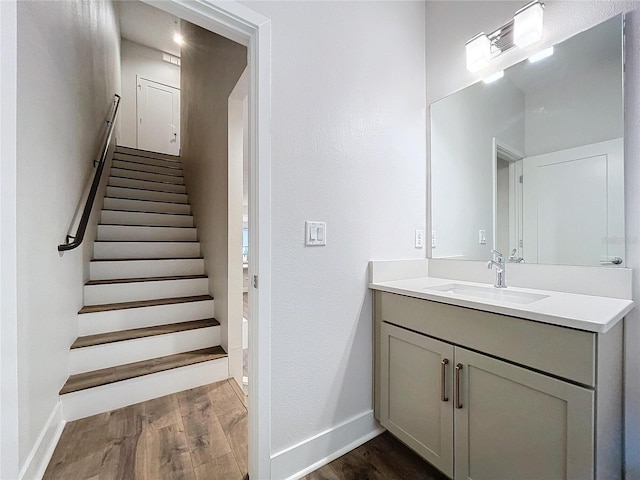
<point x="41" y="453"/>
<point x="309" y="455"/>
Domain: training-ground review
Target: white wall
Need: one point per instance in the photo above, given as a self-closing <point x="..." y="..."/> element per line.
<point x="68" y="70"/>
<point x="348" y="148"/>
<point x="462" y="166"/>
<point x="446" y="73"/>
<point x="144" y="61"/>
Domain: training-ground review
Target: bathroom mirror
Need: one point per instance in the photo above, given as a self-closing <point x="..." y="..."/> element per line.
<point x="531" y="164"/>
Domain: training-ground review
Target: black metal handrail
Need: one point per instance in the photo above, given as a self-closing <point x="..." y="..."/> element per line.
<point x="74" y="241"/>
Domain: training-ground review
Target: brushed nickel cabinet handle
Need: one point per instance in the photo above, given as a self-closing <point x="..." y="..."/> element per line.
<point x="458" y="368"/>
<point x="443" y="379"/>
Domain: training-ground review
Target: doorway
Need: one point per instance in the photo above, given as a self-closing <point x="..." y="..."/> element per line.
<point x="247" y="27"/>
<point x="158" y="114"/>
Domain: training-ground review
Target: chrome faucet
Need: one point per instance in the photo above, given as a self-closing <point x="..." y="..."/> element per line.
<point x="515" y="259"/>
<point x="498" y="264"/>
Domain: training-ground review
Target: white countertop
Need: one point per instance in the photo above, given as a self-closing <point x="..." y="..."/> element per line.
<point x="584" y="312"/>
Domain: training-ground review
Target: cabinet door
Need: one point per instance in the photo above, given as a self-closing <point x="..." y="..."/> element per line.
<point x="415" y="405"/>
<point x="511" y="423"/>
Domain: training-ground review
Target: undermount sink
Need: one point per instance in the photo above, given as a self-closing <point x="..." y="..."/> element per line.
<point x="489" y="293"/>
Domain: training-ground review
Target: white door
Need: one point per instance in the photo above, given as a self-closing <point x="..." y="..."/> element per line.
<point x="573" y="205"/>
<point x="158" y="117"/>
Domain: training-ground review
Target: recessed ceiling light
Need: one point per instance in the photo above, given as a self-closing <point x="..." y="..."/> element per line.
<point x="178" y="38"/>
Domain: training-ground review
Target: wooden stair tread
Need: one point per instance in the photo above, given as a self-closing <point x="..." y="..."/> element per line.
<point x="143" y="279"/>
<point x="139" y="179"/>
<point x="138" y="225"/>
<point x="105" y="376"/>
<point x="171" y="167"/>
<point x="146" y="241"/>
<point x="145" y="171"/>
<point x="144" y="259"/>
<point x="150" y="190"/>
<point x="145" y="213"/>
<point x="146" y="199"/>
<point x="131" y="334"/>
<point x="106" y="307"/>
<point x="147" y="153"/>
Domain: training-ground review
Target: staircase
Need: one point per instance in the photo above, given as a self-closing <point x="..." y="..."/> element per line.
<point x="147" y="327"/>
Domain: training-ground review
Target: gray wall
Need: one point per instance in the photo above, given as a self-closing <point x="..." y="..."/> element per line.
<point x="211" y="67"/>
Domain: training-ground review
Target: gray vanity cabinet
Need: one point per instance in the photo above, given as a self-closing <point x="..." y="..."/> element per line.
<point x="482" y="397"/>
<point x="416" y="393"/>
<point x="515" y="423"/>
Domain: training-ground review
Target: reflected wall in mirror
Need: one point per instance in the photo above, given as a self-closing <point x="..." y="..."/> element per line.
<point x="532" y="164"/>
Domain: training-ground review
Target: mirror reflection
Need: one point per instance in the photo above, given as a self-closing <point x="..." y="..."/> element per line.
<point x="531" y="164"/>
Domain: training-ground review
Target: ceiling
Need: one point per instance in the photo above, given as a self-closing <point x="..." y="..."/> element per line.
<point x="144" y="24"/>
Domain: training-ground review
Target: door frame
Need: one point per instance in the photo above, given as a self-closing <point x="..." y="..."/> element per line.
<point x="514" y="157"/>
<point x="253" y="30"/>
<point x="138" y="106"/>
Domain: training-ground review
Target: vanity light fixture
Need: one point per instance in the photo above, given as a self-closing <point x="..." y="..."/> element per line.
<point x="527" y="24"/>
<point x="478" y="52"/>
<point x="541" y="55"/>
<point x="493" y="77"/>
<point x="522" y="30"/>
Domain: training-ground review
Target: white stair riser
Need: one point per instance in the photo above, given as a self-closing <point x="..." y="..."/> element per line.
<point x="96" y="400"/>
<point x="129" y="351"/>
<point x="145" y="167"/>
<point x="153" y="177"/>
<point x="114" y="217"/>
<point x="128" y="318"/>
<point x="146" y="206"/>
<point x="137" y="233"/>
<point x="105" y="250"/>
<point x="146" y="185"/>
<point x="145" y="268"/>
<point x="134" y="194"/>
<point x="147" y="160"/>
<point x="134" y="291"/>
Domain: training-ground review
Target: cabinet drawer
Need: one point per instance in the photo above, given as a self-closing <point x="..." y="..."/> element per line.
<point x="560" y="351"/>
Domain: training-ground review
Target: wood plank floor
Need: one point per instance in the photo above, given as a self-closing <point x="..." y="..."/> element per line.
<point x="201" y="434"/>
<point x="197" y="434"/>
<point x="383" y="458"/>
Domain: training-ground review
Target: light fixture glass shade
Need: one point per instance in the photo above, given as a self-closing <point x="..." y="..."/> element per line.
<point x="527" y="25"/>
<point x="478" y="52"/>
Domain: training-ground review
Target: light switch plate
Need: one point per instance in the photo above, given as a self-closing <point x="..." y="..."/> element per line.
<point x="482" y="237"/>
<point x="315" y="233"/>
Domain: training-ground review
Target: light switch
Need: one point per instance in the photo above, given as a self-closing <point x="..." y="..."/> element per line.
<point x="315" y="233"/>
<point x="482" y="237"/>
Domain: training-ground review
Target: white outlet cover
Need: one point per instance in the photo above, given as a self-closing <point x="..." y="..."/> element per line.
<point x="419" y="238"/>
<point x="315" y="233"/>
